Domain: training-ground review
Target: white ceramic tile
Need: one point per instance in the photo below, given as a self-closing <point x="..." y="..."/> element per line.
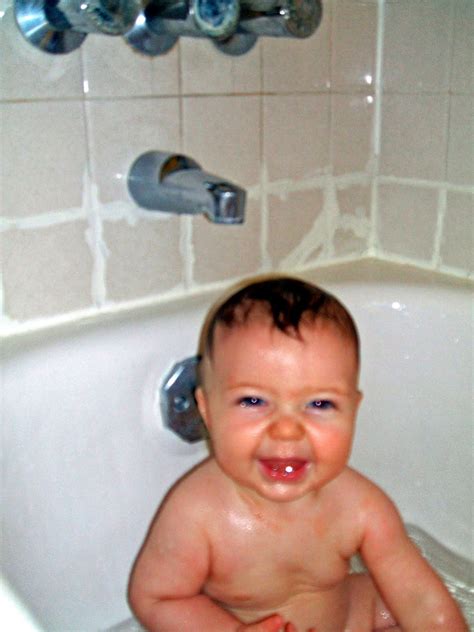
<point x="298" y="65"/>
<point x="29" y="73"/>
<point x="461" y="140"/>
<point x="353" y="44"/>
<point x="121" y="131"/>
<point x="457" y="245"/>
<point x="206" y="70"/>
<point x="114" y="69"/>
<point x="462" y="67"/>
<point x="417" y="45"/>
<point x="296" y="136"/>
<point x="223" y="135"/>
<point x="143" y="259"/>
<point x="290" y="219"/>
<point x="407" y="219"/>
<point x="46" y="271"/>
<point x="43" y="157"/>
<point x="414" y="136"/>
<point x="351" y="132"/>
<point x="224" y="252"/>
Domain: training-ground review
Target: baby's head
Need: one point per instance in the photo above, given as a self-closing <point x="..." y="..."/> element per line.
<point x="286" y="303"/>
<point x="278" y="389"/>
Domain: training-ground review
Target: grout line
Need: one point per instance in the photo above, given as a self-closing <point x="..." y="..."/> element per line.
<point x="186" y="247"/>
<point x="377" y="127"/>
<point x="266" y="262"/>
<point x="186" y="225"/>
<point x="115" y="211"/>
<point x="441" y="213"/>
<point x="94" y="234"/>
<point x="430" y="184"/>
<point x="350" y="90"/>
<point x="42" y="220"/>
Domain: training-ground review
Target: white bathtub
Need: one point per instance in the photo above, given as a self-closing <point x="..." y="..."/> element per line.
<point x="87" y="461"/>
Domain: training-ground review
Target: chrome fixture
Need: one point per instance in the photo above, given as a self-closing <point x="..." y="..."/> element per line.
<point x="153" y="26"/>
<point x="178" y="405"/>
<point x="272" y="18"/>
<point x="60" y="26"/>
<point x="161" y="22"/>
<point x="173" y="183"/>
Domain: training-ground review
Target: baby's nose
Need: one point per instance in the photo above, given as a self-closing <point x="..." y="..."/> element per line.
<point x="286" y="429"/>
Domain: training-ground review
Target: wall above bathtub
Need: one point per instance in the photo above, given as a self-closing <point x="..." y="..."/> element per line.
<point x="379" y="163"/>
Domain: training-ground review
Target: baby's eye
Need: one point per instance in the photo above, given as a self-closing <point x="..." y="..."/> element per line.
<point x="251" y="402"/>
<point x="321" y="404"/>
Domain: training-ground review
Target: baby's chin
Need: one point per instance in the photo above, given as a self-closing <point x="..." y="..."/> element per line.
<point x="279" y="492"/>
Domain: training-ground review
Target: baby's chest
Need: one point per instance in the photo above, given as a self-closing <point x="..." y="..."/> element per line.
<point x="274" y="563"/>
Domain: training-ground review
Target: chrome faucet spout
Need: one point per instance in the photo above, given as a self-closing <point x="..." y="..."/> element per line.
<point x="173" y="183"/>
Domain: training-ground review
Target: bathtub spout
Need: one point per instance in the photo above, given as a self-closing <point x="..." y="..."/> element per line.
<point x="173" y="183"/>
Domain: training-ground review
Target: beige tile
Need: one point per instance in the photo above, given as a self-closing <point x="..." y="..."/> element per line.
<point x="43" y="157"/>
<point x="206" y="70"/>
<point x="143" y="259"/>
<point x="223" y="252"/>
<point x="296" y="136"/>
<point x="462" y="67"/>
<point x="417" y="45"/>
<point x="461" y="140"/>
<point x="351" y="133"/>
<point x="407" y="218"/>
<point x="46" y="271"/>
<point x="290" y="220"/>
<point x="29" y="73"/>
<point x="414" y="136"/>
<point x="223" y="135"/>
<point x="353" y="44"/>
<point x="298" y="65"/>
<point x="457" y="247"/>
<point x="114" y="69"/>
<point x="121" y="131"/>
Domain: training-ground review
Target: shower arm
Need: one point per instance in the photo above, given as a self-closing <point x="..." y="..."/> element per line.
<point x="153" y="26"/>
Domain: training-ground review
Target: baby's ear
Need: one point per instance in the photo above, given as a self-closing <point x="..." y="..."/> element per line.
<point x="201" y="402"/>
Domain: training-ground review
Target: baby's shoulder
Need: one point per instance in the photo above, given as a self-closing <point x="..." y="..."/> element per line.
<point x="354" y="486"/>
<point x="201" y="486"/>
<point x="366" y="497"/>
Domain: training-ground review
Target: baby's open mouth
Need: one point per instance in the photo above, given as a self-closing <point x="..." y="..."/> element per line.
<point x="283" y="469"/>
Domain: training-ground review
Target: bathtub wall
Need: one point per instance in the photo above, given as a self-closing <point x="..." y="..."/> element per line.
<point x="354" y="143"/>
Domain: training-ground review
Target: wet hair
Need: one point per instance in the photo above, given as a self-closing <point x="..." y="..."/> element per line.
<point x="287" y="301"/>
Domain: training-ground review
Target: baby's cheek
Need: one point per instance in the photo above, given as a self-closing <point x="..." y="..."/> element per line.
<point x="336" y="442"/>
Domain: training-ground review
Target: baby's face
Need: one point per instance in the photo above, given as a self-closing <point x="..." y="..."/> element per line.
<point x="280" y="410"/>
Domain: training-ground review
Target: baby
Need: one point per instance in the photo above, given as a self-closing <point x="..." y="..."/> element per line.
<point x="259" y="537"/>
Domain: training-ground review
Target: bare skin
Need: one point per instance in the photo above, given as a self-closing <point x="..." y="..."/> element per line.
<point x="258" y="537"/>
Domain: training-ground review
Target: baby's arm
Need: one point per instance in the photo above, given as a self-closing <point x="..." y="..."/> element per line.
<point x="170" y="571"/>
<point x="414" y="593"/>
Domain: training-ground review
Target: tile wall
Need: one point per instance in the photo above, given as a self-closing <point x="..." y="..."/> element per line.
<point x="356" y="142"/>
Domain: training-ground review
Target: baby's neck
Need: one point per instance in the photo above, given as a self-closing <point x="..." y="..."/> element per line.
<point x="285" y="511"/>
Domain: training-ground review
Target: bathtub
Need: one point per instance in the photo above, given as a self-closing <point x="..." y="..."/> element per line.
<point x="87" y="459"/>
